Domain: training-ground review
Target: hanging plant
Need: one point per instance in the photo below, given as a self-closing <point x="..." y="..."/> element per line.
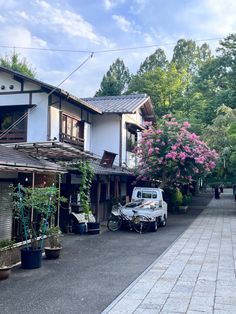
<point x="87" y="175"/>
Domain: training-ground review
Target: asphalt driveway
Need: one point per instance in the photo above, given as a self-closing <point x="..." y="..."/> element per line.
<point x="92" y="271"/>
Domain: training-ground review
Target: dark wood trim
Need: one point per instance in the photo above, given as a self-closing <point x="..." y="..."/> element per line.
<point x="49" y="118"/>
<point x="30" y="98"/>
<point x="60" y="116"/>
<point x="120" y="148"/>
<point x="21" y="92"/>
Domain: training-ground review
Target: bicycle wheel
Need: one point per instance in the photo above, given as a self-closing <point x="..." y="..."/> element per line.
<point x="114" y="223"/>
<point x="141" y="224"/>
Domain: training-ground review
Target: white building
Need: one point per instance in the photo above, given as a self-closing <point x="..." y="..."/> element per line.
<point x="117" y="129"/>
<point x="42" y="113"/>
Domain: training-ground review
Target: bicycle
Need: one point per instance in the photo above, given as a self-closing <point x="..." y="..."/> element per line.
<point x="138" y="223"/>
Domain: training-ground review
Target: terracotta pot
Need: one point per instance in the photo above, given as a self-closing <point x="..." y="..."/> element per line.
<point x="52" y="253"/>
<point x="5" y="272"/>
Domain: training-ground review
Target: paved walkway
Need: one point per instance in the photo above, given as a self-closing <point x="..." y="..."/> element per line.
<point x="196" y="274"/>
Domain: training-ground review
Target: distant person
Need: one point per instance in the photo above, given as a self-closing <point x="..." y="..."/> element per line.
<point x="234" y="192"/>
<point x="221" y="188"/>
<point x="217" y="192"/>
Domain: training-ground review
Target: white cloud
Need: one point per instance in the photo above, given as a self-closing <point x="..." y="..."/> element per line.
<point x="69" y="23"/>
<point x="23" y="38"/>
<point x="216" y="18"/>
<point x="122" y="23"/>
<point x="23" y="15"/>
<point x="2" y="19"/>
<point x="110" y="4"/>
<point x="138" y="6"/>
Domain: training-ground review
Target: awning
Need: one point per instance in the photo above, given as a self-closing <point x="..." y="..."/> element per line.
<point x="135" y="126"/>
<point x="13" y="160"/>
<point x="55" y="151"/>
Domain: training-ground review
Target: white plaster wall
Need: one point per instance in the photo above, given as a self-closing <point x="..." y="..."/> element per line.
<point x="55" y="122"/>
<point x="6" y="80"/>
<point x="106" y="134"/>
<point x="38" y="119"/>
<point x="71" y="109"/>
<point x="31" y="86"/>
<point x="87" y="136"/>
<point x="14" y="99"/>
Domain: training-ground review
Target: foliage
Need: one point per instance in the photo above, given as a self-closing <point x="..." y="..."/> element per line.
<point x="176" y="154"/>
<point x="6" y="243"/>
<point x="156" y="60"/>
<point x="5" y="252"/>
<point x="87" y="175"/>
<point x="188" y="55"/>
<point x="115" y="81"/>
<point x="54" y="234"/>
<point x="14" y="62"/>
<point x="166" y="87"/>
<point x="177" y="197"/>
<point x="186" y="200"/>
<point x="43" y="202"/>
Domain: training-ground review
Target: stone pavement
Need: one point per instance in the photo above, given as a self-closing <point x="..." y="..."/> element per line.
<point x="196" y="274"/>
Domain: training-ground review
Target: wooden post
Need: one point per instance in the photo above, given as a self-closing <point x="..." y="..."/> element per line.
<point x="33" y="185"/>
<point x="58" y="203"/>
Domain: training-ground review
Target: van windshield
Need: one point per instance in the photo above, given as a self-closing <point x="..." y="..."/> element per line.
<point x="147" y="194"/>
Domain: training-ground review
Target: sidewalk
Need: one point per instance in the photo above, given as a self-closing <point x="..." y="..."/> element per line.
<point x="196" y="274"/>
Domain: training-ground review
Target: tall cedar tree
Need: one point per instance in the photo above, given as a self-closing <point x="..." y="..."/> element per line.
<point x="115" y="81"/>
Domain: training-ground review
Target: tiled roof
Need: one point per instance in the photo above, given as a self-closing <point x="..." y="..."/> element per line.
<point x="118" y="104"/>
<point x="12" y="159"/>
<point x="98" y="169"/>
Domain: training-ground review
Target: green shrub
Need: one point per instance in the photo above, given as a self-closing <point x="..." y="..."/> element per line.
<point x="186" y="200"/>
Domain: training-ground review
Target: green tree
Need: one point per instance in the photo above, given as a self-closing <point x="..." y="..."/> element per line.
<point x="155" y="60"/>
<point x="166" y="87"/>
<point x="189" y="55"/>
<point x="18" y="64"/>
<point x="115" y="81"/>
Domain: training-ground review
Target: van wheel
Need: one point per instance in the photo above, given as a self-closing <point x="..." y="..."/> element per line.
<point x="154" y="225"/>
<point x="163" y="222"/>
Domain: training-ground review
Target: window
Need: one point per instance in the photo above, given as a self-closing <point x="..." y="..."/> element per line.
<point x="131" y="140"/>
<point x="72" y="130"/>
<point x="9" y="115"/>
<point x="72" y="127"/>
<point x="147" y="194"/>
<point x="107" y="159"/>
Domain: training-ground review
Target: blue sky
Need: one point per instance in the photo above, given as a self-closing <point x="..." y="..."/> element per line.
<point x="94" y="25"/>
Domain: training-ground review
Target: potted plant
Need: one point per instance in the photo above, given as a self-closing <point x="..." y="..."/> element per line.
<point x="185" y="203"/>
<point x="87" y="175"/>
<point x="54" y="236"/>
<point x="43" y="202"/>
<point x="5" y="258"/>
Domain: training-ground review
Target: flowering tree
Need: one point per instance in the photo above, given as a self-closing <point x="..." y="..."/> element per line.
<point x="170" y="153"/>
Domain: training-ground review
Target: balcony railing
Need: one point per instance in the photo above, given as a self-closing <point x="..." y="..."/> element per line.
<point x="79" y="142"/>
<point x="12" y="136"/>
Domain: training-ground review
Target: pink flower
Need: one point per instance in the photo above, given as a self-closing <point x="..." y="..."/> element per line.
<point x="182" y="156"/>
<point x="150" y="151"/>
<point x="186" y="124"/>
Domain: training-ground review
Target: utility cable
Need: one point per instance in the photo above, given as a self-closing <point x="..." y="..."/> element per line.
<point x="104" y="51"/>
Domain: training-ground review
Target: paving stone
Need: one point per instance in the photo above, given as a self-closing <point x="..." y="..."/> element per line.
<point x="125" y="306"/>
<point x="225" y="307"/>
<point x="197" y="274"/>
<point x="176" y="305"/>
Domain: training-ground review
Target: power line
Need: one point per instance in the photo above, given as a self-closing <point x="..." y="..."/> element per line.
<point x="103" y="51"/>
<point x="13" y="125"/>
